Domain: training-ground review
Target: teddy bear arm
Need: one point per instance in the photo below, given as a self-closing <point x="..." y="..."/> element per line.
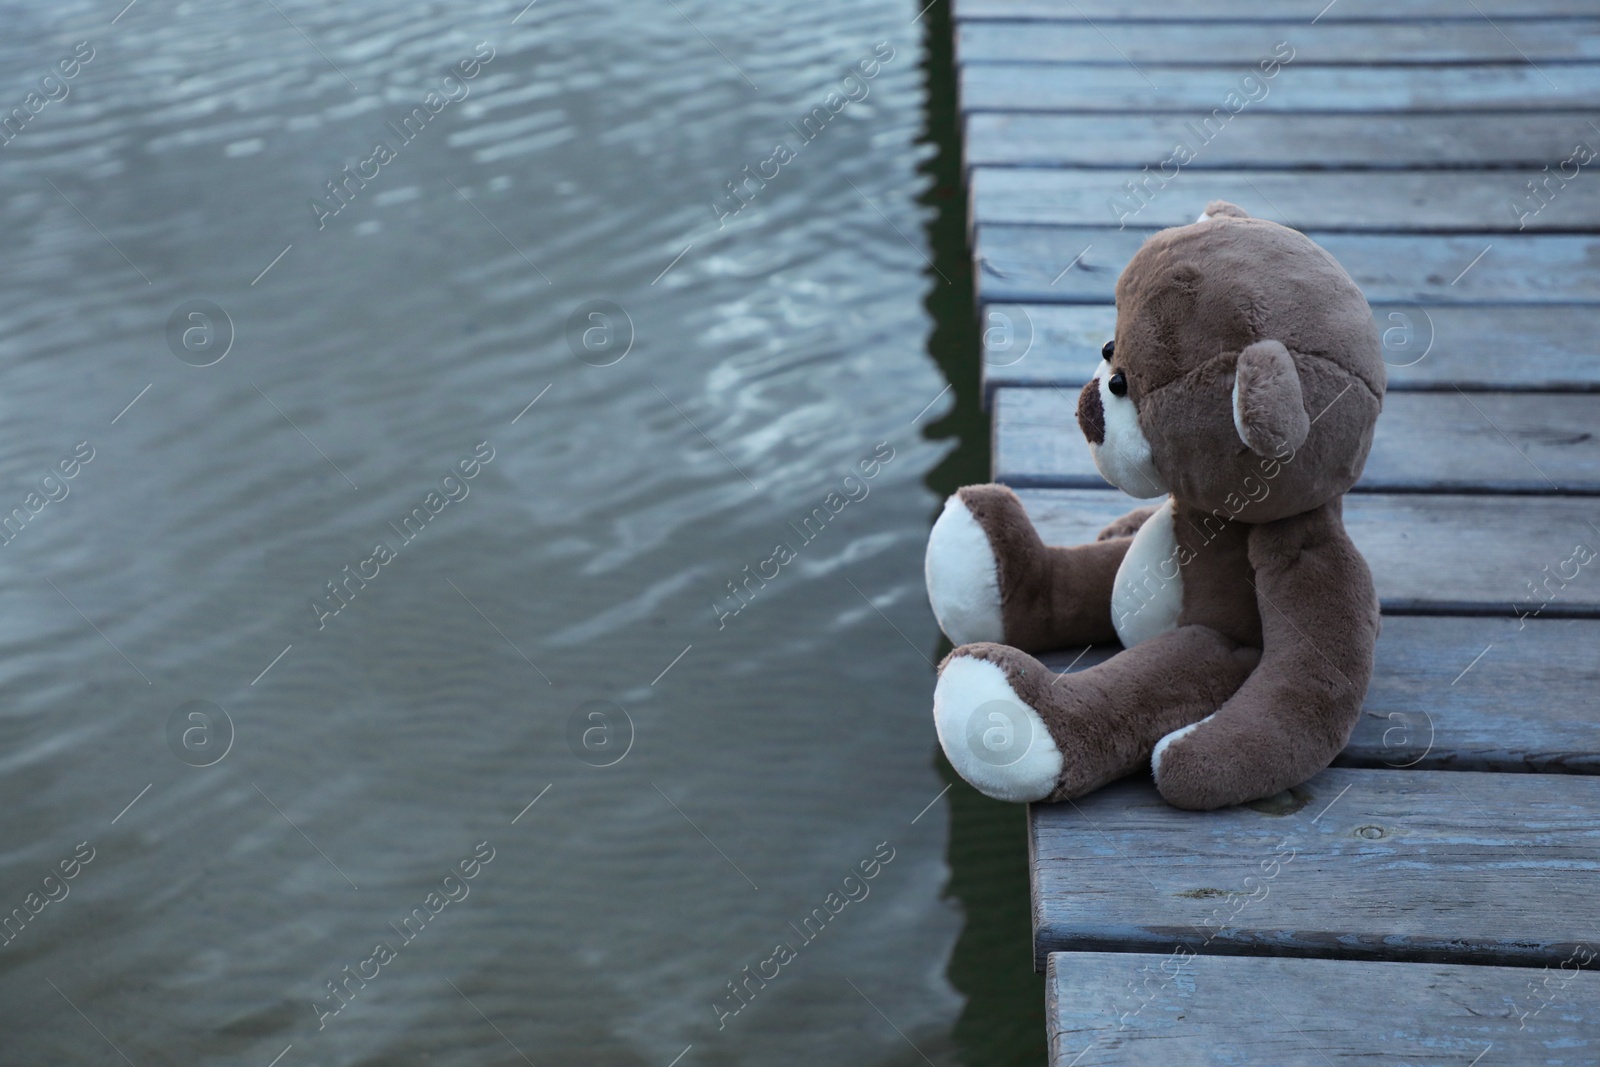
<point x="1319" y="623"/>
<point x="1129" y="524"/>
<point x="1317" y="598"/>
<point x="1291" y="717"/>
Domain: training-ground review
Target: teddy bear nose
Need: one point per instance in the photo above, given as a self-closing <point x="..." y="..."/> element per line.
<point x="1118" y="384"/>
<point x="1108" y="349"/>
<point x="1091" y="415"/>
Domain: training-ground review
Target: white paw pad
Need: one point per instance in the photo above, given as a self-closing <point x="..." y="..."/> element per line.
<point x="994" y="740"/>
<point x="963" y="577"/>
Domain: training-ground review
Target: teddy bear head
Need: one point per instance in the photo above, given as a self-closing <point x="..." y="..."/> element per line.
<point x="1246" y="375"/>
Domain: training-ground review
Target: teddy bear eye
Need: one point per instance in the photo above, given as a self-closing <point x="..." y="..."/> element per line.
<point x="1107" y="349"/>
<point x="1118" y="384"/>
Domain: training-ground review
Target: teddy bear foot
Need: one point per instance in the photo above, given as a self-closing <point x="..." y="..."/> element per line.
<point x="962" y="572"/>
<point x="990" y="734"/>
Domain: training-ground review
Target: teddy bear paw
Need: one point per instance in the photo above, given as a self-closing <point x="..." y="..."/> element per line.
<point x="992" y="737"/>
<point x="1199" y="769"/>
<point x="1166" y="743"/>
<point x="963" y="576"/>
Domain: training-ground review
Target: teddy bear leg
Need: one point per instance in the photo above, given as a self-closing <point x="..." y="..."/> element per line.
<point x="1018" y="731"/>
<point x="991" y="578"/>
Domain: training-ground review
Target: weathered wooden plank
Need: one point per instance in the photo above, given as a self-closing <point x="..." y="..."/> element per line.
<point x="1080" y="264"/>
<point x="1482" y="694"/>
<point x="1494" y="348"/>
<point x="1283" y="141"/>
<point x="1264" y="139"/>
<point x="1443" y="554"/>
<point x="1384" y="201"/>
<point x="1091" y="88"/>
<point x="1106" y="1008"/>
<point x="1245" y="43"/>
<point x="1426" y="866"/>
<point x="1425" y="442"/>
<point x="1468" y="694"/>
<point x="1305" y="11"/>
<point x="1050" y="346"/>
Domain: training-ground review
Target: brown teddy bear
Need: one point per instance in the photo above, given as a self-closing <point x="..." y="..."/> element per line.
<point x="1243" y="385"/>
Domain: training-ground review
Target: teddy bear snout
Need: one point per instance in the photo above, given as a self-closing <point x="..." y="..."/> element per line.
<point x="1091" y="414"/>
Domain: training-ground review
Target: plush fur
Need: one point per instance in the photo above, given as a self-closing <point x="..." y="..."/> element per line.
<point x="1244" y="383"/>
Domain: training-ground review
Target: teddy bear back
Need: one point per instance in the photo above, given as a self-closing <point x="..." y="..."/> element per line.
<point x="1255" y="362"/>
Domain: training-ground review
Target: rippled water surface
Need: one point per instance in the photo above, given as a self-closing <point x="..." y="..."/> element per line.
<point x="749" y="410"/>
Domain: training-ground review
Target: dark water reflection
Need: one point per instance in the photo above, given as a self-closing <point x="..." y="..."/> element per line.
<point x="768" y="753"/>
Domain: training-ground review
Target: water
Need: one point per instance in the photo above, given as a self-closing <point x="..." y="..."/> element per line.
<point x="271" y="778"/>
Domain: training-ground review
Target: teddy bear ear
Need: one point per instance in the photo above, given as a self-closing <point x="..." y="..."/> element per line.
<point x="1222" y="207"/>
<point x="1269" y="408"/>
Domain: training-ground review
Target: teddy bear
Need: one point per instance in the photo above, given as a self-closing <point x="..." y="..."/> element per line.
<point x="1243" y="384"/>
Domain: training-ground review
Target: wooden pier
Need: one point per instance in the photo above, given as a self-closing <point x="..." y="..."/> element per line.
<point x="1435" y="896"/>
